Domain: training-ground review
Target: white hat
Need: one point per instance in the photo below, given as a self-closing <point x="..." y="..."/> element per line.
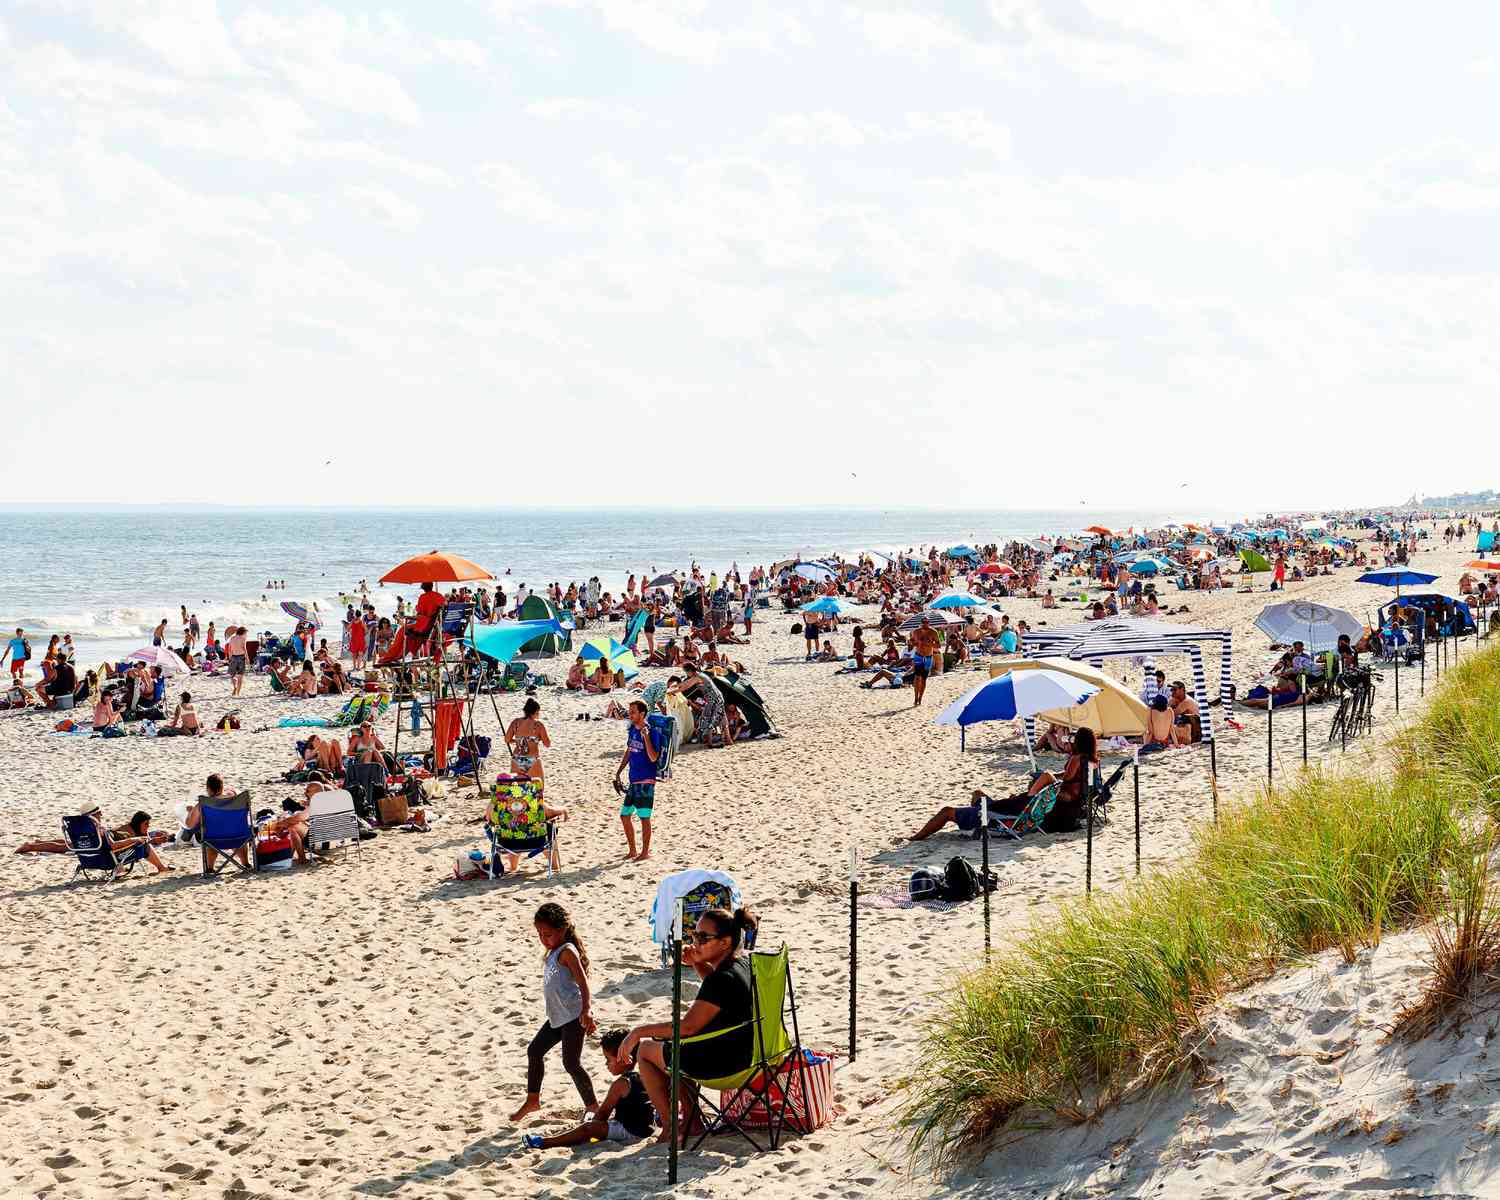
<point x="85" y="810"/>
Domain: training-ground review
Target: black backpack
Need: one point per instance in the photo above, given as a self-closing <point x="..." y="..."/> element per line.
<point x="962" y="882"/>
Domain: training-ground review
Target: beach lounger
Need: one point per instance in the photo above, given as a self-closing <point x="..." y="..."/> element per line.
<point x="1030" y="819"/>
<point x="760" y="1087"/>
<point x="331" y="822"/>
<point x="226" y="826"/>
<point x="97" y="861"/>
<point x="516" y="823"/>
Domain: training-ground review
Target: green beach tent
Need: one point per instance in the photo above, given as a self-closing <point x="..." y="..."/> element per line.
<point x="539" y="608"/>
<point x="1254" y="559"/>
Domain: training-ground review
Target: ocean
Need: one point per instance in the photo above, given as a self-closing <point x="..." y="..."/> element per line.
<point x="108" y="577"/>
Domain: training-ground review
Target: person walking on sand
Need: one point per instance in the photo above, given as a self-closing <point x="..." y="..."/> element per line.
<point x="924" y="645"/>
<point x="640" y="796"/>
<point x="237" y="652"/>
<point x="18" y="650"/>
<point x="565" y="993"/>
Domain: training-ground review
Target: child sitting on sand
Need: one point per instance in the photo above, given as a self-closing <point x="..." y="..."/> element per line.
<point x="626" y="1115"/>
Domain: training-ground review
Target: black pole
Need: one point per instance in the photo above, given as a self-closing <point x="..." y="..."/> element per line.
<point x="1213" y="774"/>
<point x="1270" y="710"/>
<point x="1398" y="680"/>
<point x="1304" y="719"/>
<point x="984" y="876"/>
<point x="1088" y="876"/>
<point x="853" y="945"/>
<point x="1422" y="677"/>
<point x="1135" y="770"/>
<point x="676" y="1042"/>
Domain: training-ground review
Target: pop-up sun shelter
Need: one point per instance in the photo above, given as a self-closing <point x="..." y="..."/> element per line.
<point x="744" y="697"/>
<point x="539" y="608"/>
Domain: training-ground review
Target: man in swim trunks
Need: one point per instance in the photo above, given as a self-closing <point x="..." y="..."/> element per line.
<point x="238" y="654"/>
<point x="640" y="796"/>
<point x="19" y="655"/>
<point x="924" y="645"/>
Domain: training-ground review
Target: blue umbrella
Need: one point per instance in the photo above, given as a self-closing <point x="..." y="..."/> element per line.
<point x="1396" y="577"/>
<point x="827" y="605"/>
<point x="956" y="600"/>
<point x="1147" y="566"/>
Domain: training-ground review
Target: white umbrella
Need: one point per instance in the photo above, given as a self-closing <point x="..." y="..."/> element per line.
<point x="159" y="656"/>
<point x="1317" y="626"/>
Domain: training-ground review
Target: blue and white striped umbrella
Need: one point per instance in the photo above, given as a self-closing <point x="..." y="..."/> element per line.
<point x="1016" y="694"/>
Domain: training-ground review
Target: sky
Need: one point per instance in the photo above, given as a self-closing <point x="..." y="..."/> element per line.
<point x="988" y="253"/>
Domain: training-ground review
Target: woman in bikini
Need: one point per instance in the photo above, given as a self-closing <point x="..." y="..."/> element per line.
<point x="526" y="736"/>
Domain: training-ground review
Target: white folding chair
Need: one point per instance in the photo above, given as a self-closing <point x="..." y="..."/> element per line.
<point x="331" y="822"/>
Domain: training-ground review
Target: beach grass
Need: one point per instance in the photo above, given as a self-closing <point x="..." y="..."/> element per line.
<point x="1106" y="995"/>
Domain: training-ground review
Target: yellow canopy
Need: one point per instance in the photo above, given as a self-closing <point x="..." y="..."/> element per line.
<point x="1114" y="710"/>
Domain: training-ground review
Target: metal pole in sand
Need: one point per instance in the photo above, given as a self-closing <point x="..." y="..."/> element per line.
<point x="1135" y="771"/>
<point x="984" y="874"/>
<point x="853" y="944"/>
<point x="676" y="1041"/>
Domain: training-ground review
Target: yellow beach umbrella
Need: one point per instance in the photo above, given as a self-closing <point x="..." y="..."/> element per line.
<point x="1114" y="710"/>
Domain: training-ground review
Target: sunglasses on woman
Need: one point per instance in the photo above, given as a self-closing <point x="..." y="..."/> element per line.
<point x="703" y="939"/>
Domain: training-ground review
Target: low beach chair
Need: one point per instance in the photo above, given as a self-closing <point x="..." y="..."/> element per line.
<point x="89" y="843"/>
<point x="226" y="826"/>
<point x="761" y="1086"/>
<point x="331" y="822"/>
<point x="1030" y="819"/>
<point x="516" y="823"/>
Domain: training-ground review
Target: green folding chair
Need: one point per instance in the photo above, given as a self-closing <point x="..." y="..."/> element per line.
<point x="775" y="1050"/>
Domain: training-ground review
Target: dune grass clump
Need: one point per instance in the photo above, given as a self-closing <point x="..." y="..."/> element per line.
<point x="1107" y="994"/>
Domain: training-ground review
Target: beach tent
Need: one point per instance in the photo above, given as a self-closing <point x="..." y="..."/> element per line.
<point x="816" y="572"/>
<point x="503" y="640"/>
<point x="961" y="552"/>
<point x="1486" y="542"/>
<point x="1254" y="559"/>
<point x="745" y="698"/>
<point x="539" y="608"/>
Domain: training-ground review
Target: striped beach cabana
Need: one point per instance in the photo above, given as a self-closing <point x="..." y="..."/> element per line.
<point x="1135" y="637"/>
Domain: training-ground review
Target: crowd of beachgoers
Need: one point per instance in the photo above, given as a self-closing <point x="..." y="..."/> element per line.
<point x="805" y="648"/>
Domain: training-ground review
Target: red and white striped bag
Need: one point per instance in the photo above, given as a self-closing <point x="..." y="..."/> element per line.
<point x="801" y="1095"/>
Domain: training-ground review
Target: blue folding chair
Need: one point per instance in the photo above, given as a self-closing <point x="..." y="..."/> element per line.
<point x="225" y="824"/>
<point x="89" y="842"/>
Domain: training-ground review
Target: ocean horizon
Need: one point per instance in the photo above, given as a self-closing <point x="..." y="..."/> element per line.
<point x="108" y="575"/>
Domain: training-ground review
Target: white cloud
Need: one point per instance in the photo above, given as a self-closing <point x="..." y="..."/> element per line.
<point x="519" y="196"/>
<point x="1192" y="46"/>
<point x="578" y="108"/>
<point x="384" y="206"/>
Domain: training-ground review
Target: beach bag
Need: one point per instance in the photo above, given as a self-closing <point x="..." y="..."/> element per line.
<point x="800" y="1094"/>
<point x="394" y="809"/>
<point x="925" y="884"/>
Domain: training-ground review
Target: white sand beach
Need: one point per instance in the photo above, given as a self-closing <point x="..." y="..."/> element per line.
<point x="360" y="1028"/>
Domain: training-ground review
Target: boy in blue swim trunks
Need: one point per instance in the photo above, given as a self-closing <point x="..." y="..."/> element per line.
<point x="640" y="796"/>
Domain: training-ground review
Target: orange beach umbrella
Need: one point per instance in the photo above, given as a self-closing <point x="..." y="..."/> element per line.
<point x="1483" y="564"/>
<point x="1099" y="529"/>
<point x="437" y="567"/>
